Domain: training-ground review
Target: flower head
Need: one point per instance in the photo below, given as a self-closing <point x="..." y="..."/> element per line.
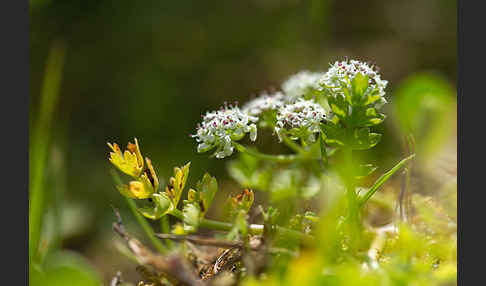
<point x="301" y="84"/>
<point x="301" y="119"/>
<point x="341" y="73"/>
<point x="264" y="102"/>
<point x="220" y="128"/>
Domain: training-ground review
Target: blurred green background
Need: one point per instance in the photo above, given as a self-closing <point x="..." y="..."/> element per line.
<point x="114" y="70"/>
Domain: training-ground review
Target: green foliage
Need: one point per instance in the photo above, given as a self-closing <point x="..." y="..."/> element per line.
<point x="354" y="113"/>
<point x="65" y="268"/>
<point x="424" y="105"/>
<point x="303" y="240"/>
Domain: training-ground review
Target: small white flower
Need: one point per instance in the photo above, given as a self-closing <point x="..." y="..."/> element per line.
<point x="219" y="128"/>
<point x="343" y="72"/>
<point x="303" y="116"/>
<point x="264" y="102"/>
<point x="301" y="83"/>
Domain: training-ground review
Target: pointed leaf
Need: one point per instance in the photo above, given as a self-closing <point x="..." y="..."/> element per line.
<point x="381" y="180"/>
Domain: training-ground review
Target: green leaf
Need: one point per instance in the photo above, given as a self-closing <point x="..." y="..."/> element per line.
<point x="207" y="188"/>
<point x="335" y="134"/>
<point x="359" y="86"/>
<point x="191" y="216"/>
<point x="339" y="106"/>
<point x="177" y="183"/>
<point x="363" y="139"/>
<point x="323" y="149"/>
<point x="66" y="268"/>
<point x="245" y="171"/>
<point x="150" y="213"/>
<point x="381" y="180"/>
<point x="270" y="216"/>
<point x="162" y="206"/>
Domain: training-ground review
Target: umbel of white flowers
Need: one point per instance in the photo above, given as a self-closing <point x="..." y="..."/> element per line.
<point x="295" y="115"/>
<point x="301" y="83"/>
<point x="219" y="128"/>
<point x="264" y="102"/>
<point x="341" y="74"/>
<point x="303" y="117"/>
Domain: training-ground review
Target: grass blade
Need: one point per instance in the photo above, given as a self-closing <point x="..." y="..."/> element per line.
<point x="381" y="180"/>
<point x="39" y="143"/>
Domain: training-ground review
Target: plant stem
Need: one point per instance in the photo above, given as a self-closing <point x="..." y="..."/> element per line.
<point x="353" y="207"/>
<point x="255" y="229"/>
<point x="268" y="157"/>
<point x="140" y="219"/>
<point x="165" y="228"/>
<point x="291" y="144"/>
<point x="146" y="226"/>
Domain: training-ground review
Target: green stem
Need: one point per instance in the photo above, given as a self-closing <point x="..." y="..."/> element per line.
<point x="255" y="229"/>
<point x="353" y="206"/>
<point x="146" y="226"/>
<point x="140" y="219"/>
<point x="165" y="228"/>
<point x="291" y="144"/>
<point x="268" y="157"/>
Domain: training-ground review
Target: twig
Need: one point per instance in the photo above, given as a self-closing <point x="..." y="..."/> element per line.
<point x="197" y="239"/>
<point x="117" y="280"/>
<point x="173" y="267"/>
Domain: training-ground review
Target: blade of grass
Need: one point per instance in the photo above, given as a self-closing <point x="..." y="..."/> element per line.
<point x="381" y="180"/>
<point x="39" y="142"/>
<point x="140" y="219"/>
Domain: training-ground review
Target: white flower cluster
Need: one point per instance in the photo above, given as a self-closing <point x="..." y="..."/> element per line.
<point x="299" y="84"/>
<point x="219" y="128"/>
<point x="343" y="72"/>
<point x="298" y="115"/>
<point x="303" y="114"/>
<point x="264" y="102"/>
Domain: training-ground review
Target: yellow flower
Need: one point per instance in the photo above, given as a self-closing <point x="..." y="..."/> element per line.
<point x="135" y="190"/>
<point x="130" y="162"/>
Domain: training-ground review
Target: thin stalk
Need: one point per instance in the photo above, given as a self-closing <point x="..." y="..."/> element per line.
<point x="291" y="144"/>
<point x="255" y="229"/>
<point x="146" y="226"/>
<point x="140" y="219"/>
<point x="165" y="228"/>
<point x="268" y="157"/>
